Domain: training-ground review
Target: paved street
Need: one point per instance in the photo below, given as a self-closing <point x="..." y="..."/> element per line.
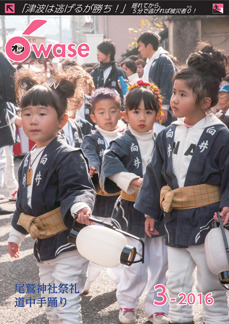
<point x="98" y="307"/>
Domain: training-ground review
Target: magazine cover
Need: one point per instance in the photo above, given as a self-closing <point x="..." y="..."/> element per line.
<point x="114" y="162"/>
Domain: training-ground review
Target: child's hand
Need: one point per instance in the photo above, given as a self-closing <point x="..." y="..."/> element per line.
<point x="92" y="171"/>
<point x="136" y="182"/>
<point x="224" y="215"/>
<point x="83" y="216"/>
<point x="13" y="249"/>
<point x="149" y="227"/>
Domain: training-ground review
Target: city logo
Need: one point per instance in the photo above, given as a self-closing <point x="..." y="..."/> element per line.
<point x="18" y="48"/>
<point x="217" y="9"/>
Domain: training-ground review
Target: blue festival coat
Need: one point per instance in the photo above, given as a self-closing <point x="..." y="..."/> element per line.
<point x="209" y="165"/>
<point x="61" y="179"/>
<point x="80" y="127"/>
<point x="124" y="156"/>
<point x="94" y="147"/>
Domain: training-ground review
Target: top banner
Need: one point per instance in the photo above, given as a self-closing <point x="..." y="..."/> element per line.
<point x="179" y="8"/>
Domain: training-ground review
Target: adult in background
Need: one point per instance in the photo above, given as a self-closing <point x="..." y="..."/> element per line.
<point x="159" y="69"/>
<point x="140" y="67"/>
<point x="7" y="95"/>
<point x="107" y="73"/>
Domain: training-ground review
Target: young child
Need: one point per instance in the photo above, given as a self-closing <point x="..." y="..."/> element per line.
<point x="106" y="105"/>
<point x="223" y="104"/>
<point x="188" y="173"/>
<point x="123" y="167"/>
<point x="54" y="188"/>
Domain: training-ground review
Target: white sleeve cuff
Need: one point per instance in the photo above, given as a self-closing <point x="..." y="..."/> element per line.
<point x="123" y="180"/>
<point x="16" y="237"/>
<point x="76" y="207"/>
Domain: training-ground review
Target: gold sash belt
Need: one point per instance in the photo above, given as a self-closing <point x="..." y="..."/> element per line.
<point x="188" y="197"/>
<point x="43" y="226"/>
<point x="129" y="197"/>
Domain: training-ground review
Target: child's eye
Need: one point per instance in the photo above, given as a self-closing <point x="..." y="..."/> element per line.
<point x="42" y="114"/>
<point x="149" y="112"/>
<point x="182" y="95"/>
<point x="135" y="111"/>
<point x="26" y="114"/>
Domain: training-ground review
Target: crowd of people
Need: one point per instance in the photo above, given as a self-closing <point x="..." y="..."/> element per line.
<point x="126" y="159"/>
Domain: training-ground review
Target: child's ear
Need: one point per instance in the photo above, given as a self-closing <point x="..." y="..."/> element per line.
<point x="92" y="116"/>
<point x="124" y="115"/>
<point x="206" y="103"/>
<point x="63" y="120"/>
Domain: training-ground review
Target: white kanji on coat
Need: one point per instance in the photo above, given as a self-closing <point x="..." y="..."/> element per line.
<point x="100" y="141"/>
<point x="169" y="133"/>
<point x="169" y="150"/>
<point x="38" y="178"/>
<point x="44" y="159"/>
<point x="203" y="146"/>
<point x="24" y="180"/>
<point x="134" y="148"/>
<point x="26" y="161"/>
<point x="80" y="124"/>
<point x="211" y="130"/>
<point x="101" y="152"/>
<point x="137" y="162"/>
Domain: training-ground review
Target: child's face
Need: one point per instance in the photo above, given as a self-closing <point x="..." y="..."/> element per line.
<point x="41" y="124"/>
<point x="223" y="101"/>
<point x="140" y="119"/>
<point x="106" y="114"/>
<point x="183" y="103"/>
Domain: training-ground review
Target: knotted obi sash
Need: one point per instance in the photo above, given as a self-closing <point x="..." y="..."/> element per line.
<point x="129" y="197"/>
<point x="188" y="197"/>
<point x="43" y="226"/>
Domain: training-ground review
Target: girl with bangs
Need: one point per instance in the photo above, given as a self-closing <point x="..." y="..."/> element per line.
<point x="54" y="189"/>
<point x="124" y="164"/>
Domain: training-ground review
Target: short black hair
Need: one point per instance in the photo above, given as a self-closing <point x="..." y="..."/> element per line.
<point x="107" y="47"/>
<point x="103" y="94"/>
<point x="134" y="97"/>
<point x="150" y="38"/>
<point x="130" y="64"/>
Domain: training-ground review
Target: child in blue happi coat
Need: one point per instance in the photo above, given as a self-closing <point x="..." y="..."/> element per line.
<point x="105" y="113"/>
<point x="54" y="189"/>
<point x="123" y="168"/>
<point x="188" y="179"/>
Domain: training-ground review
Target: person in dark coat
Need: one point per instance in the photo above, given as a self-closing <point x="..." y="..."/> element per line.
<point x="107" y="73"/>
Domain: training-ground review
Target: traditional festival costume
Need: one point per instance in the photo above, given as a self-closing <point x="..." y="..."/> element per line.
<point x="94" y="146"/>
<point x="125" y="160"/>
<point x="59" y="178"/>
<point x="75" y="130"/>
<point x="186" y="157"/>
